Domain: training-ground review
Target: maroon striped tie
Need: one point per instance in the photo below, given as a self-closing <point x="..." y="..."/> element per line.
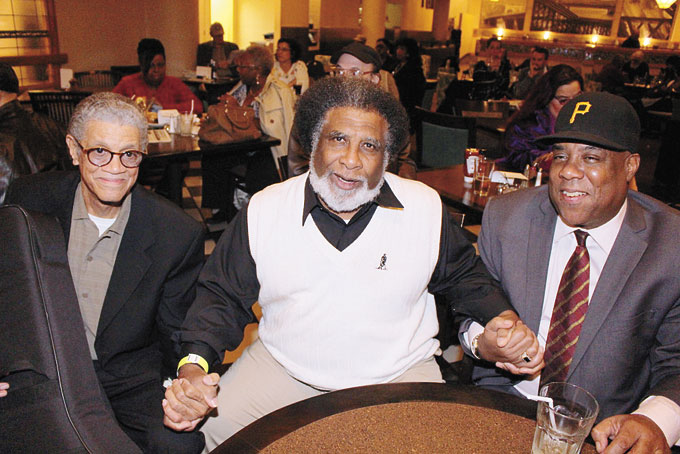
<point x="571" y="305"/>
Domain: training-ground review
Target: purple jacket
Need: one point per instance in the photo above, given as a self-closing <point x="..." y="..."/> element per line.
<point x="521" y="147"/>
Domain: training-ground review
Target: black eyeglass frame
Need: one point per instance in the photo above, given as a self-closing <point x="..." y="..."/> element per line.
<point x="120" y="154"/>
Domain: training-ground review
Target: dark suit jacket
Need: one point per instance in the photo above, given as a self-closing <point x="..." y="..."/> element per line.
<point x="153" y="279"/>
<point x="629" y="345"/>
<point x="205" y="50"/>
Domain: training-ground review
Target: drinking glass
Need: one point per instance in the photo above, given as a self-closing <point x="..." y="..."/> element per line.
<point x="483" y="170"/>
<point x="562" y="427"/>
<point x="186" y="122"/>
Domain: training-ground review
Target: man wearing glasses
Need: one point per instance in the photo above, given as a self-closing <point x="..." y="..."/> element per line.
<point x="133" y="255"/>
<point x="355" y="60"/>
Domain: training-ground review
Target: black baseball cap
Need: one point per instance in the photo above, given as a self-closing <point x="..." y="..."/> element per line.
<point x="362" y="52"/>
<point x="598" y="118"/>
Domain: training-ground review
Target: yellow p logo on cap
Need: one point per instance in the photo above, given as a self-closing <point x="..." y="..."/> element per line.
<point x="581" y="108"/>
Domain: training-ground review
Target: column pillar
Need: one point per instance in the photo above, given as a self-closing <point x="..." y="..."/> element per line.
<point x="373" y="20"/>
<point x="440" y="20"/>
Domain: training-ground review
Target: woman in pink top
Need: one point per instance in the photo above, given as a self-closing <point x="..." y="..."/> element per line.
<point x="164" y="92"/>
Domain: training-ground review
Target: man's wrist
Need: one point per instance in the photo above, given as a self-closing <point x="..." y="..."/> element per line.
<point x="193" y="358"/>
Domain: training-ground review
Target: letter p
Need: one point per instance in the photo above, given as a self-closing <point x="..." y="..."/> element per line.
<point x="581" y="108"/>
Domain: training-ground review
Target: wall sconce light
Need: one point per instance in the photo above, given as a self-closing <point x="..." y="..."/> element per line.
<point x="500" y="32"/>
<point x="546" y="35"/>
<point x="646" y="41"/>
<point x="594" y="39"/>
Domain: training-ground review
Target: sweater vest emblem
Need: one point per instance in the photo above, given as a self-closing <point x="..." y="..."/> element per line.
<point x="383" y="263"/>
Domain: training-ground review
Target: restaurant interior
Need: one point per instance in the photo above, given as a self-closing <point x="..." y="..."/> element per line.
<point x="68" y="49"/>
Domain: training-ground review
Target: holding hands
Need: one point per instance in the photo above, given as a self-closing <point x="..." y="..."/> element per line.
<point x="509" y="343"/>
<point x="190" y="398"/>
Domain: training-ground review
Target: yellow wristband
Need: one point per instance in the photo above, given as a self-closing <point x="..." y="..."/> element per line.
<point x="193" y="359"/>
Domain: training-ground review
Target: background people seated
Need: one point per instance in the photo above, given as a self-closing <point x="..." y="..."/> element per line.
<point x="29" y="142"/>
<point x="369" y="250"/>
<point x="385" y="50"/>
<point x="624" y="344"/>
<point x="492" y="73"/>
<point x="538" y="65"/>
<point x="134" y="258"/>
<point x="536" y="117"/>
<point x="273" y="102"/>
<point x="636" y="69"/>
<point x="288" y="67"/>
<point x="611" y="76"/>
<point x="216" y="52"/>
<point x="159" y="90"/>
<point x="409" y="76"/>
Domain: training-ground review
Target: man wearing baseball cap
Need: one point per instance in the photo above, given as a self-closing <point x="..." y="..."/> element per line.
<point x="618" y="328"/>
<point x="355" y="60"/>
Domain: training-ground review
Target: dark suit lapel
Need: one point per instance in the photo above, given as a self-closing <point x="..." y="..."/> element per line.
<point x="541" y="228"/>
<point x="628" y="248"/>
<point x="132" y="261"/>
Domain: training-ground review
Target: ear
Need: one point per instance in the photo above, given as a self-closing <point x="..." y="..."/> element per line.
<point x="632" y="164"/>
<point x="375" y="78"/>
<point x="73" y="149"/>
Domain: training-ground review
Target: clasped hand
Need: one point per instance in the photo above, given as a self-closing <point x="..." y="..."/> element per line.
<point x="507" y="341"/>
<point x="190" y="398"/>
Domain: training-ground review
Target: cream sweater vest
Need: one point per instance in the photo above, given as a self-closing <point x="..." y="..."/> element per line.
<point x="357" y="317"/>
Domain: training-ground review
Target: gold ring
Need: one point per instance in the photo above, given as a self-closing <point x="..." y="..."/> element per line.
<point x="526" y="358"/>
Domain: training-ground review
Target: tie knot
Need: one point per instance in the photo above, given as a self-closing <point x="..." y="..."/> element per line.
<point x="581" y="237"/>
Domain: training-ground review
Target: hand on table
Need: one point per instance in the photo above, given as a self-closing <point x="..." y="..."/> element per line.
<point x="634" y="434"/>
<point x="190" y="397"/>
<point x="507" y="341"/>
<point x="3" y="389"/>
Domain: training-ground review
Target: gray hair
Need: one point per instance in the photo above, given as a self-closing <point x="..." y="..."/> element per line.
<point x="262" y="57"/>
<point x="334" y="92"/>
<point x="110" y="108"/>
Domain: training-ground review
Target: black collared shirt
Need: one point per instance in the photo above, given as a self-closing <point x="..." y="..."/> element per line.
<point x="338" y="232"/>
<point x="228" y="285"/>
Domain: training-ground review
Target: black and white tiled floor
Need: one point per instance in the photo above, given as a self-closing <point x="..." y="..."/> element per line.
<point x="191" y="202"/>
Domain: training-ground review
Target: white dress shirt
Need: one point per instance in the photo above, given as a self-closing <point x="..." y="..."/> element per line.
<point x="663" y="411"/>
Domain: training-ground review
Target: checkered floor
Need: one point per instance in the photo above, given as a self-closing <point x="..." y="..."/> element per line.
<point x="191" y="202"/>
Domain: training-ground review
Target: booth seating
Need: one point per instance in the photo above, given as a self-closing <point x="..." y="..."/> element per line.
<point x="55" y="403"/>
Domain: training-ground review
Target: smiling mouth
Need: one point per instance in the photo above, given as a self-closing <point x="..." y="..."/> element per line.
<point x="346" y="183"/>
<point x="572" y="195"/>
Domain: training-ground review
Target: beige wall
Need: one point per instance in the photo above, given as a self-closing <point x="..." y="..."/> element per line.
<point x="415" y="17"/>
<point x="99" y="33"/>
<point x="340" y="13"/>
<point x="254" y="18"/>
<point x="294" y="13"/>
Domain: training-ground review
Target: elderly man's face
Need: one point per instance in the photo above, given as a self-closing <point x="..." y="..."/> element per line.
<point x="348" y="164"/>
<point x="104" y="188"/>
<point x="588" y="184"/>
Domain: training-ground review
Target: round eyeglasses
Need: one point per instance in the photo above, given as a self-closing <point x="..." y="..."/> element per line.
<point x="351" y="72"/>
<point x="100" y="156"/>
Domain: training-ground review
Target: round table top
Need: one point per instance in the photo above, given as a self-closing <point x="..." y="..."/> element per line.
<point x="403" y="417"/>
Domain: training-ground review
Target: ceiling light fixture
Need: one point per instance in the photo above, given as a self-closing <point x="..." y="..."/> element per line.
<point x="664" y="4"/>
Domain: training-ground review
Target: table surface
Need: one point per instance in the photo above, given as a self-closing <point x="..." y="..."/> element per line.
<point x="181" y="146"/>
<point x="448" y="182"/>
<point x="509" y="416"/>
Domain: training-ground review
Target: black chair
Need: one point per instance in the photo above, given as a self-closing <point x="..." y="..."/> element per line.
<point x="96" y="79"/>
<point x="55" y="402"/>
<point x="58" y="105"/>
<point x="119" y="72"/>
<point x="441" y="139"/>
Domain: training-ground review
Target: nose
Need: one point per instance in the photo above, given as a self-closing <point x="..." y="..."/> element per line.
<point x="115" y="165"/>
<point x="571" y="169"/>
<point x="350" y="158"/>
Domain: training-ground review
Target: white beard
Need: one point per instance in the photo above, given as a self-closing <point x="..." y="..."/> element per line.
<point x="339" y="200"/>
